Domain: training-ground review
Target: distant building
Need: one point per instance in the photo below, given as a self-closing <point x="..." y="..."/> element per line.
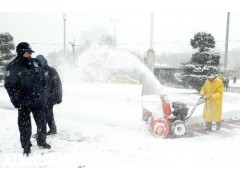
<point x="166" y="74"/>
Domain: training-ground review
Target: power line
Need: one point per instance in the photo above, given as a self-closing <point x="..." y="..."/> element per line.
<point x="52" y="44"/>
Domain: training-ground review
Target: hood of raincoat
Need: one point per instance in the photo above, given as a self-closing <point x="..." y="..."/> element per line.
<point x="42" y="60"/>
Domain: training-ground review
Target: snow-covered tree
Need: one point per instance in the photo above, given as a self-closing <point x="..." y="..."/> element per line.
<point x="203" y="41"/>
<point x="205" y="59"/>
<point x="6" y="47"/>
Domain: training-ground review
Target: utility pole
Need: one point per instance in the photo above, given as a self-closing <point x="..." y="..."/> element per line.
<point x="73" y="44"/>
<point x="150" y="60"/>
<point x="73" y="51"/>
<point x="114" y="31"/>
<point x="151" y="53"/>
<point x="64" y="33"/>
<point x="151" y="30"/>
<point x="226" y="42"/>
<point x="73" y="47"/>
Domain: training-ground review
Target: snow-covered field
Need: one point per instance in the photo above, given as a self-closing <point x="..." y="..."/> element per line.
<point x="99" y="125"/>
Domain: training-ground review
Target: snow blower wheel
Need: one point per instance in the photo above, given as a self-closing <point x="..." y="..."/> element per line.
<point x="159" y="128"/>
<point x="178" y="128"/>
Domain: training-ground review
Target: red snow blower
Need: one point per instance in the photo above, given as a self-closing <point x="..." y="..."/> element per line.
<point x="172" y="124"/>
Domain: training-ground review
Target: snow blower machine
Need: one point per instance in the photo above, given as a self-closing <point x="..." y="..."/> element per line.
<point x="171" y="123"/>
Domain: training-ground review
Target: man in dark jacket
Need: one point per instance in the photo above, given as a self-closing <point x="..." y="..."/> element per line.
<point x="25" y="83"/>
<point x="54" y="93"/>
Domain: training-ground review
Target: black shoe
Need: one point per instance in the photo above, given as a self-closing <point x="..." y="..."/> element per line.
<point x="219" y="125"/>
<point x="45" y="145"/>
<point x="50" y="132"/>
<point x="208" y="126"/>
<point x="26" y="151"/>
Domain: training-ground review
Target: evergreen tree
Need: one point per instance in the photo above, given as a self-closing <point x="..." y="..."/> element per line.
<point x="204" y="60"/>
<point x="6" y="47"/>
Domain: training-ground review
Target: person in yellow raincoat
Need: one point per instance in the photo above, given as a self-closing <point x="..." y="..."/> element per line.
<point x="212" y="90"/>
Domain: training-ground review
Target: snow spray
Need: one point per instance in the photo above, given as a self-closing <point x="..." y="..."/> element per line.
<point x="100" y="63"/>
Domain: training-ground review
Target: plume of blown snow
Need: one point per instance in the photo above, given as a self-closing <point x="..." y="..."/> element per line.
<point x="99" y="63"/>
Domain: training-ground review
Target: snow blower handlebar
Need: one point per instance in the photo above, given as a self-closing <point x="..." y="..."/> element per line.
<point x="200" y="101"/>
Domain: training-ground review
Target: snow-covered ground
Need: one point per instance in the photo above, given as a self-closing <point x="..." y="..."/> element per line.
<point x="99" y="125"/>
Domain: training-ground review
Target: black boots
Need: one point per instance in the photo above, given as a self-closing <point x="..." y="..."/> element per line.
<point x="208" y="126"/>
<point x="218" y="126"/>
<point x="44" y="145"/>
<point x="26" y="151"/>
<point x="52" y="131"/>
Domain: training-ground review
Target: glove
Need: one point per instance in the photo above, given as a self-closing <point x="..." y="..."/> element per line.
<point x="201" y="97"/>
<point x="207" y="97"/>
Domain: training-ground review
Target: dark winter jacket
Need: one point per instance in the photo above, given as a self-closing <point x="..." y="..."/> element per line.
<point x="26" y="83"/>
<point x="54" y="85"/>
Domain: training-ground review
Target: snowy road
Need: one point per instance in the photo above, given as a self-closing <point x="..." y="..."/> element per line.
<point x="99" y="125"/>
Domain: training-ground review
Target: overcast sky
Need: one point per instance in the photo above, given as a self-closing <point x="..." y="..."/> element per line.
<point x="172" y="31"/>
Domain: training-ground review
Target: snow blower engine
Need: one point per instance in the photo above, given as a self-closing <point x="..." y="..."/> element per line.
<point x="180" y="110"/>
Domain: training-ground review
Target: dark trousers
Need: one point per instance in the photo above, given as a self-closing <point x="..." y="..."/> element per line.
<point x="25" y="127"/>
<point x="50" y="119"/>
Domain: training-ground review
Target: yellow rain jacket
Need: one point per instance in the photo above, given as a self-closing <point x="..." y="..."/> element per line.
<point x="213" y="105"/>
